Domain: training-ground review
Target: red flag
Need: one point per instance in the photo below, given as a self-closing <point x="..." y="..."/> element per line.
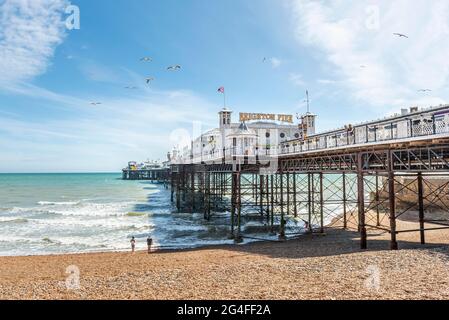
<point x="221" y="89"/>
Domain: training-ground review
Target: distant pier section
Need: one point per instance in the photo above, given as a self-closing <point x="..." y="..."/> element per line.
<point x="150" y="170"/>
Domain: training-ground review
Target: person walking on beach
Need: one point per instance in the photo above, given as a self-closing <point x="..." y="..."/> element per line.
<point x="133" y="244"/>
<point x="149" y="243"/>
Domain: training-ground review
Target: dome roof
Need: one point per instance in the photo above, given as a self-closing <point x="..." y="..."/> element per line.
<point x="242" y="131"/>
<point x="243" y="126"/>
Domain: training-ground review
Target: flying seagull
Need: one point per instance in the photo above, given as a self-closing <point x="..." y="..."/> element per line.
<point x="362" y="66"/>
<point x="130" y="87"/>
<point x="95" y="103"/>
<point x="174" y="68"/>
<point x="400" y="35"/>
<point x="148" y="80"/>
<point x="146" y="59"/>
<point x="424" y="90"/>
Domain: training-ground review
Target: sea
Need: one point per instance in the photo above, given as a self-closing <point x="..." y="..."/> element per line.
<point x="78" y="213"/>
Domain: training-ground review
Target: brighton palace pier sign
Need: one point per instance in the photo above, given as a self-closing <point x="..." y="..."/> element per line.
<point x="266" y="116"/>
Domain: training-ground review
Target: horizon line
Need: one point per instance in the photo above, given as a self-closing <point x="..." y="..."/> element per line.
<point x="73" y="172"/>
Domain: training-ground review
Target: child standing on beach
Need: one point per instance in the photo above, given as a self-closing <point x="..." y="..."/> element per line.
<point x="133" y="244"/>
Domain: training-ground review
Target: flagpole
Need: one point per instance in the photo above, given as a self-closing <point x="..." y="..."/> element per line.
<point x="224" y="98"/>
<point x="307" y="94"/>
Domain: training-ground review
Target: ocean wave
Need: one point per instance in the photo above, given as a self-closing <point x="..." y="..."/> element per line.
<point x="135" y="228"/>
<point x="32" y="212"/>
<point x="50" y="241"/>
<point x="81" y="209"/>
<point x="13" y="220"/>
<point x="55" y="203"/>
<point x="136" y="214"/>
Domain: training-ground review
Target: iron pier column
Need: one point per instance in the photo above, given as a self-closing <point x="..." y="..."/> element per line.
<point x="421" y="207"/>
<point x="393" y="243"/>
<point x="361" y="202"/>
<point x="345" y="218"/>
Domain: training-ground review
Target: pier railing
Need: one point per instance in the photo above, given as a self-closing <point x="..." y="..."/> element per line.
<point x="229" y="153"/>
<point x="416" y="126"/>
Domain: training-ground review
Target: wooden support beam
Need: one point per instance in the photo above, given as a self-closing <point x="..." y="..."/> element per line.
<point x="310" y="198"/>
<point x="267" y="197"/>
<point x="172" y="186"/>
<point x="391" y="193"/>
<point x="238" y="237"/>
<point x="192" y="190"/>
<point x="421" y="207"/>
<point x="295" y="205"/>
<point x="183" y="185"/>
<point x="273" y="176"/>
<point x="233" y="202"/>
<point x="178" y="192"/>
<point x="261" y="193"/>
<point x="282" y="224"/>
<point x="377" y="201"/>
<point x="321" y="203"/>
<point x="361" y="203"/>
<point x="345" y="214"/>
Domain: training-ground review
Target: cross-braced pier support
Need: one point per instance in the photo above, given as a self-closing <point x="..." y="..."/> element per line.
<point x="363" y="190"/>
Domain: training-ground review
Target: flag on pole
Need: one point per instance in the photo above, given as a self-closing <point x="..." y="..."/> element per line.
<point x="222" y="90"/>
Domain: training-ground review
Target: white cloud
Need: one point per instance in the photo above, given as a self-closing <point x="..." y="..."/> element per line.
<point x="297" y="79"/>
<point x="327" y="81"/>
<point x="275" y="62"/>
<point x="104" y="137"/>
<point x="395" y="67"/>
<point x="98" y="72"/>
<point x="29" y="32"/>
<point x="32" y="91"/>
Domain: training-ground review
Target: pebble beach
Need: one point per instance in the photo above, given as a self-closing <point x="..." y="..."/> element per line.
<point x="311" y="267"/>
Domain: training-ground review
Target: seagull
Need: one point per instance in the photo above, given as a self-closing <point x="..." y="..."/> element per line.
<point x="424" y="90"/>
<point x="148" y="80"/>
<point x="363" y="66"/>
<point x="400" y="35"/>
<point x="174" y="68"/>
<point x="130" y="87"/>
<point x="95" y="103"/>
<point x="146" y="59"/>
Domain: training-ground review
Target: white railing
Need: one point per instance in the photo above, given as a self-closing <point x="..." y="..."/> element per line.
<point x="230" y="153"/>
<point x="428" y="123"/>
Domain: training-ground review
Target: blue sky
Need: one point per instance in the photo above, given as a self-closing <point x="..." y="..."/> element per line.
<point x="343" y="52"/>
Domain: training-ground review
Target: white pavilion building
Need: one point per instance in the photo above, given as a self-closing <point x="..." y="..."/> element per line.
<point x="262" y="136"/>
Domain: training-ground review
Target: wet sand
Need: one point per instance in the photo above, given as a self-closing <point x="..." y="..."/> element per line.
<point x="312" y="267"/>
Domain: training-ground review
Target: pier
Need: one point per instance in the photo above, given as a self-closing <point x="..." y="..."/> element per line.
<point x="359" y="178"/>
<point x="159" y="175"/>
